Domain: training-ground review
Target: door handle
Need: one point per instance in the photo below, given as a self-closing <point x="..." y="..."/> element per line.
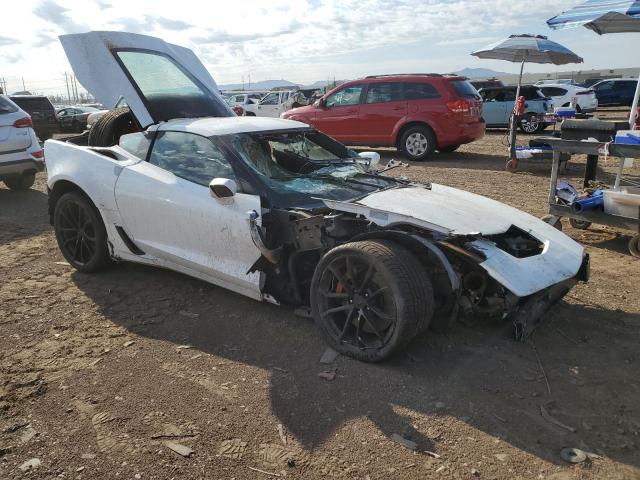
<point x="350" y="112"/>
<point x="398" y="108"/>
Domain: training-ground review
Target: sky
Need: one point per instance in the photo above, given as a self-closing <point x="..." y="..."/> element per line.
<point x="299" y="40"/>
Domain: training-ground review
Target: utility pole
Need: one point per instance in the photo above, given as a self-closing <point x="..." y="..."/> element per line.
<point x="243" y="83"/>
<point x="23" y="87"/>
<point x="249" y="87"/>
<point x="66" y="80"/>
<point x="75" y="83"/>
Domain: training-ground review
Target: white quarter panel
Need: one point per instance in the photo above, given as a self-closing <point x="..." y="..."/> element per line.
<point x="178" y="221"/>
<point x="94" y="173"/>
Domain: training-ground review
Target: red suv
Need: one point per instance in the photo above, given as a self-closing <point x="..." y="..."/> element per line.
<point x="416" y="113"/>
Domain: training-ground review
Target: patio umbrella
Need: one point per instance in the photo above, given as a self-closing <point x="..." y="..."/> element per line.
<point x="604" y="16"/>
<point x="526" y="48"/>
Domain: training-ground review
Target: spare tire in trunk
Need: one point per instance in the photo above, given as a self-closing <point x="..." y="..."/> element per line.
<point x="107" y="131"/>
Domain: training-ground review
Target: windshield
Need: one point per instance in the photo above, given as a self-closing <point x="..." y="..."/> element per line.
<point x="306" y="164"/>
<point x="6" y="106"/>
<point x="167" y="88"/>
<point x="465" y="89"/>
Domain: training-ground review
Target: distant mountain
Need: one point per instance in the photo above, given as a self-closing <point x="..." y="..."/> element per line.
<point x="324" y="83"/>
<point x="479" y="73"/>
<point x="262" y="85"/>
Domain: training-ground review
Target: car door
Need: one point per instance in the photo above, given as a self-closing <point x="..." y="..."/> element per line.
<point x="605" y="92"/>
<point x="168" y="212"/>
<point x="268" y="106"/>
<point x="64" y="117"/>
<point x="337" y="115"/>
<point x="383" y="107"/>
<point x="628" y="90"/>
<point x="494" y="107"/>
<point x="158" y="80"/>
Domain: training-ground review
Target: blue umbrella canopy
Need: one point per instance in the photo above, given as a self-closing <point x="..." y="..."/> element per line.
<point x="530" y="49"/>
<point x="601" y="16"/>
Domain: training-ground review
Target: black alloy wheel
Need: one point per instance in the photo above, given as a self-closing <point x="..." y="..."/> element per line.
<point x="80" y="233"/>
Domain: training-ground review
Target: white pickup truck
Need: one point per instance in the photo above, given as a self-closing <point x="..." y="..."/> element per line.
<point x="275" y="103"/>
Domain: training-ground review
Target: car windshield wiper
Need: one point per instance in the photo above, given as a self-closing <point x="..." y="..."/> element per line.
<point x="326" y="176"/>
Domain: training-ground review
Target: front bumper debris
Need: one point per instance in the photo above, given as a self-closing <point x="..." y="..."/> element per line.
<point x="530" y="310"/>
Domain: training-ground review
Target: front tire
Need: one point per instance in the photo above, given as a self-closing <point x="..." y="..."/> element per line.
<point x="20" y="182"/>
<point x="418" y="143"/>
<point x="370" y="298"/>
<point x="80" y="233"/>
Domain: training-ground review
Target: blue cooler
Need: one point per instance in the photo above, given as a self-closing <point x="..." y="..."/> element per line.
<point x="628" y="137"/>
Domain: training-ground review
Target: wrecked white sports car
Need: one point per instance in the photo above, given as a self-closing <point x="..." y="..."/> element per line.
<point x="277" y="211"/>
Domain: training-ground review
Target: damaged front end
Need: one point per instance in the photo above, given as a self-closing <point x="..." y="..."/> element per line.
<point x="515" y="275"/>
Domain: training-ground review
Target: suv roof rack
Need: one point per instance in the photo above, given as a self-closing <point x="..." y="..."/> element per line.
<point x="412" y="75"/>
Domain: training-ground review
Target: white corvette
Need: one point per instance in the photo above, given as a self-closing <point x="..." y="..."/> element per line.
<point x="277" y="211"/>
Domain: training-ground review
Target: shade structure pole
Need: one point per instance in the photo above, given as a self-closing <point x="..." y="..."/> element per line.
<point x="634" y="106"/>
<point x="514" y="119"/>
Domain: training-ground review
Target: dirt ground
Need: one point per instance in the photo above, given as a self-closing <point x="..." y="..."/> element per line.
<point x="99" y="372"/>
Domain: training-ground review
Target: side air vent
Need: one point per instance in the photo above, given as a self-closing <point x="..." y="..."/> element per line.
<point x="133" y="248"/>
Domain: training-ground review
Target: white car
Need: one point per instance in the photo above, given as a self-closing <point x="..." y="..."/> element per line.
<point x="562" y="95"/>
<point x="20" y="153"/>
<point x="242" y="99"/>
<point x="274" y="104"/>
<point x="556" y="81"/>
<point x="279" y="212"/>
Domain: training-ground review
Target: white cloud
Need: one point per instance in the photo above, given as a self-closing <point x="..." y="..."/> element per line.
<point x="293" y="39"/>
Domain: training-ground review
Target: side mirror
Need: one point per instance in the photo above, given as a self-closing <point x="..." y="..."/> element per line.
<point x="373" y="159"/>
<point x="222" y="188"/>
<point x="322" y="103"/>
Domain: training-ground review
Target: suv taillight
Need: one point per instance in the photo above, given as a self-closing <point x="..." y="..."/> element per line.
<point x="459" y="106"/>
<point x="23" y="123"/>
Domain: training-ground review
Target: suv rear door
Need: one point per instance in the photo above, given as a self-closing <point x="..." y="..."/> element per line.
<point x="158" y="80"/>
<point x="384" y="105"/>
<point x="338" y="115"/>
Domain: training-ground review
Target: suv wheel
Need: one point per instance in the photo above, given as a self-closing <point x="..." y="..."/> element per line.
<point x="370" y="298"/>
<point x="418" y="143"/>
<point x="20" y="182"/>
<point x="530" y="124"/>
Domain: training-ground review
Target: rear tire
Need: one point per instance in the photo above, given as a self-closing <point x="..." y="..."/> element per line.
<point x="579" y="224"/>
<point x="370" y="298"/>
<point x="418" y="143"/>
<point x="530" y="125"/>
<point x="554" y="221"/>
<point x="448" y="149"/>
<point x="108" y="129"/>
<point x="634" y="246"/>
<point x="20" y="182"/>
<point x="80" y="233"/>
